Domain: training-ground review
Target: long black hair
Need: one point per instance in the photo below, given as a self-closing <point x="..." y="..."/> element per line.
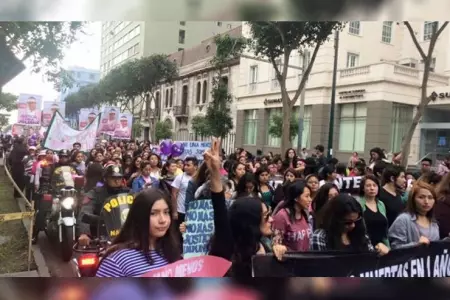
<point x="135" y="233"/>
<point x="245" y="216"/>
<point x="241" y="186"/>
<point x="295" y="189"/>
<point x="94" y="174"/>
<point x="322" y="196"/>
<point x="331" y="220"/>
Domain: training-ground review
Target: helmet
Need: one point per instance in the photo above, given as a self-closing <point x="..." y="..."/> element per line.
<point x="64" y="152"/>
<point x="113" y="171"/>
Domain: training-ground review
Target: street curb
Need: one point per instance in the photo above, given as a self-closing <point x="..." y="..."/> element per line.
<point x="39" y="259"/>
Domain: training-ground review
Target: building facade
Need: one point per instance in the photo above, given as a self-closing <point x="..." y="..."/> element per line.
<point x="378" y="87"/>
<point x="190" y="93"/>
<point x="127" y="40"/>
<point x="82" y="77"/>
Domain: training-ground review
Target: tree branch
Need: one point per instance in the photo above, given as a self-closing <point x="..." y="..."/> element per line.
<point x="305" y="74"/>
<point x="415" y="41"/>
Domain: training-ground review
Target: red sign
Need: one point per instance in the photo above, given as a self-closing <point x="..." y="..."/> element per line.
<point x="201" y="266"/>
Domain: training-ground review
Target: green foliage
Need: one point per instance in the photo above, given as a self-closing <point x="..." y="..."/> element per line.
<point x="276" y="127"/>
<point x="136" y="129"/>
<point x="42" y="44"/>
<point x="4" y="121"/>
<point x="8" y="101"/>
<point x="163" y="130"/>
<point x="132" y="79"/>
<point x="218" y="121"/>
<point x="199" y="125"/>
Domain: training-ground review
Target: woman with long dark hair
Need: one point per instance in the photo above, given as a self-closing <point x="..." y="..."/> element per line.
<point x="326" y="192"/>
<point x="291" y="225"/>
<point x="135" y="170"/>
<point x="247" y="187"/>
<point x="417" y="224"/>
<point x="340" y="227"/>
<point x="94" y="177"/>
<point x="290" y="158"/>
<point x="147" y="241"/>
<point x="264" y="188"/>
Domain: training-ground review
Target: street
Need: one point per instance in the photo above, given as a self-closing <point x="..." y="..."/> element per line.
<point x="56" y="266"/>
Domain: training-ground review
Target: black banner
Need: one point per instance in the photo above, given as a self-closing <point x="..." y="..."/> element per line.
<point x="349" y="184"/>
<point x="115" y="211"/>
<point x="421" y="261"/>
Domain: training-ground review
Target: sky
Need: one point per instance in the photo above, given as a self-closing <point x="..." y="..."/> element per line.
<point x="85" y="52"/>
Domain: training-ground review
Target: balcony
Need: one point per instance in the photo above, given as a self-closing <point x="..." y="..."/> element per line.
<point x="181" y="111"/>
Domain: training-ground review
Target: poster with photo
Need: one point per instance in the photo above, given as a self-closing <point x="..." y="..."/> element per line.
<point x="123" y="128"/>
<point x="29" y="109"/>
<point x="109" y="120"/>
<point x="86" y="116"/>
<point x="50" y="107"/>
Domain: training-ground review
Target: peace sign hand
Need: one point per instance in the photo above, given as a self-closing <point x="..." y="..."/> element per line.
<point x="212" y="160"/>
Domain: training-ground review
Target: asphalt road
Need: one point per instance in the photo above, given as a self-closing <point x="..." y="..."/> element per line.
<point x="56" y="266"/>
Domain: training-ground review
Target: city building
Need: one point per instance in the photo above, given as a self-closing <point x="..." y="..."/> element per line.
<point x="124" y="40"/>
<point x="378" y="87"/>
<point x="190" y="93"/>
<point x="82" y="77"/>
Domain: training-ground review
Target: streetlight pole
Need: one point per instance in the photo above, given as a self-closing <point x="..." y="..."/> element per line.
<point x="333" y="95"/>
<point x="302" y="108"/>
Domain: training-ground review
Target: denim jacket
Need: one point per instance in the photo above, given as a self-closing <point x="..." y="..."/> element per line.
<point x="139" y="183"/>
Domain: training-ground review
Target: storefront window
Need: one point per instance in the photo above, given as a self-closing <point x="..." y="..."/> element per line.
<point x="401" y="120"/>
<point x="306" y="136"/>
<point x="352" y="127"/>
<point x="271" y="140"/>
<point x="250" y="127"/>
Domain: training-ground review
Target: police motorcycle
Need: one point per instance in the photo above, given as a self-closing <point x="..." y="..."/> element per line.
<point x="111" y="219"/>
<point x="60" y="222"/>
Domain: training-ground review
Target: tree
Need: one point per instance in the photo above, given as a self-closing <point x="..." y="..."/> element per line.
<point x="275" y="40"/>
<point x="425" y="99"/>
<point x="8" y="101"/>
<point x="276" y="127"/>
<point x="218" y="114"/>
<point x="199" y="125"/>
<point x="4" y="121"/>
<point x="42" y="44"/>
<point x="163" y="131"/>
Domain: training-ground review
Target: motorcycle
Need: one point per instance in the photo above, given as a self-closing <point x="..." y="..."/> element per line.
<point x="61" y="221"/>
<point x="112" y="217"/>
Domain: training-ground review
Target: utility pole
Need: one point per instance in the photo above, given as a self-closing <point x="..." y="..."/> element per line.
<point x="333" y="95"/>
<point x="302" y="106"/>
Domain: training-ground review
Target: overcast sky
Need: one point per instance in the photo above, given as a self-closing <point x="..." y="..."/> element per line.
<point x="85" y="52"/>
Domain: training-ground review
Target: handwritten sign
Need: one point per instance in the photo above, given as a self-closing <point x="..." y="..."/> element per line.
<point x="61" y="136"/>
<point x="194" y="148"/>
<point x="203" y="266"/>
<point x="199" y="228"/>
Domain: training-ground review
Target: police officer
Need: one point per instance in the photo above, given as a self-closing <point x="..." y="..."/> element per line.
<point x="60" y="176"/>
<point x="94" y="199"/>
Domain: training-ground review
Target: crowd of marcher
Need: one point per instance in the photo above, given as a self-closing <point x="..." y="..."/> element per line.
<point x="263" y="203"/>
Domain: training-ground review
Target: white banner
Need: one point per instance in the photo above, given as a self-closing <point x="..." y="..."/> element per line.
<point x="61" y="136"/>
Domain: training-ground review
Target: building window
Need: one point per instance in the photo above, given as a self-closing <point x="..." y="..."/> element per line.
<point x="428" y="29"/>
<point x="253" y="74"/>
<point x="250" y="127"/>
<point x="386" y="35"/>
<point x="171" y="98"/>
<point x="205" y="91"/>
<point x="182" y="23"/>
<point x="306" y="134"/>
<point x="180" y="49"/>
<point x="181" y="36"/>
<point x="352" y="60"/>
<point x="166" y="101"/>
<point x="136" y="48"/>
<point x="219" y="23"/>
<point x="199" y="92"/>
<point x="354" y="27"/>
<point x="352" y="127"/>
<point x="229" y="26"/>
<point x="271" y="140"/>
<point x="402" y="116"/>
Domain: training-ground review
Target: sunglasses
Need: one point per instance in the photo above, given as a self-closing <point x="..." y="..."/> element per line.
<point x="351" y="222"/>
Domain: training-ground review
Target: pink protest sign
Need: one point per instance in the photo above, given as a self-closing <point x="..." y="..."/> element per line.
<point x="222" y="293"/>
<point x="201" y="266"/>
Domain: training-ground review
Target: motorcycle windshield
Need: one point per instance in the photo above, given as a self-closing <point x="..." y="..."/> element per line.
<point x="115" y="211"/>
